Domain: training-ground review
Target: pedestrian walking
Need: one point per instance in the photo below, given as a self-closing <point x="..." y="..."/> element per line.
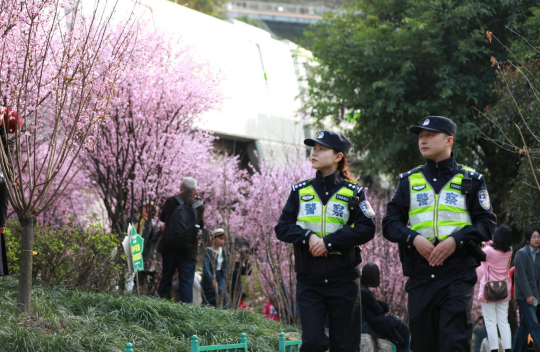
<point x="496" y="269"/>
<point x="183" y="215"/>
<point x="526" y="292"/>
<point x="448" y="209"/>
<point x="327" y="218"/>
<point x="215" y="270"/>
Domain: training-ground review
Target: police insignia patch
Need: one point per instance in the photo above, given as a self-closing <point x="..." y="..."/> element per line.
<point x="483" y="197"/>
<point x="321" y="135"/>
<point x="419" y="187"/>
<point x="367" y="209"/>
<point x="426" y="122"/>
<point x="308" y="197"/>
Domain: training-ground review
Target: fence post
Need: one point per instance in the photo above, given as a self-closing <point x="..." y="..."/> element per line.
<point x="129" y="347"/>
<point x="243" y="340"/>
<point x="194" y="343"/>
<point x="281" y="342"/>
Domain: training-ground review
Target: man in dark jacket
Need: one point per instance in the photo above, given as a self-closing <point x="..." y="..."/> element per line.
<point x="183" y="260"/>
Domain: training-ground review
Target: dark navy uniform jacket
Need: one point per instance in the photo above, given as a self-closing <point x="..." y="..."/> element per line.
<point x="395" y="227"/>
<point x="334" y="267"/>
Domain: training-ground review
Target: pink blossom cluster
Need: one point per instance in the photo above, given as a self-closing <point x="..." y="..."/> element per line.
<point x="59" y="79"/>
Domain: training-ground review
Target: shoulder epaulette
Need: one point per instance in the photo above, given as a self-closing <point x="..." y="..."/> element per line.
<point x="301" y="184"/>
<point x="354" y="186"/>
<point x="413" y="171"/>
<point x="472" y="172"/>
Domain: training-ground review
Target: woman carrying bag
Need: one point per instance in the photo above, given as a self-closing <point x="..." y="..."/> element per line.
<point x="493" y="296"/>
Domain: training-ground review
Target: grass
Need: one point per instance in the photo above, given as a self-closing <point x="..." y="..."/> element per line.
<point x="72" y="320"/>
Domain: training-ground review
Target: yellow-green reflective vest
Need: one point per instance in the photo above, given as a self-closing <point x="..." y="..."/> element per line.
<point x="437" y="215"/>
<point x="323" y="219"/>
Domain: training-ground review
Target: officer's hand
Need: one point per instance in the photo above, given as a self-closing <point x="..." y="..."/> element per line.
<point x="442" y="251"/>
<point x="317" y="247"/>
<point x="423" y="246"/>
<point x="530" y="300"/>
<point x="2" y="229"/>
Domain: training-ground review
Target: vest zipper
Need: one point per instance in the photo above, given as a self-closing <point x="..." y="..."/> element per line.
<point x="323" y="221"/>
<point x="435" y="216"/>
<point x="323" y="232"/>
<point x="436" y="212"/>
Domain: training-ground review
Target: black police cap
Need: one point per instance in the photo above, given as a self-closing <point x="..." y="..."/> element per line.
<point x="437" y="124"/>
<point x="332" y="140"/>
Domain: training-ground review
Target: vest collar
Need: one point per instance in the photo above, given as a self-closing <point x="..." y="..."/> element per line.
<point x="327" y="182"/>
<point x="442" y="167"/>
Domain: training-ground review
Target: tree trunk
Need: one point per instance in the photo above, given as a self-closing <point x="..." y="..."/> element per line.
<point x="26" y="259"/>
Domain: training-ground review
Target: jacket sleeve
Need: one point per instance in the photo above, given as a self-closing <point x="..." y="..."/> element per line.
<point x="368" y="300"/>
<point x="395" y="222"/>
<point x="167" y="210"/>
<point x="483" y="220"/>
<point x="208" y="267"/>
<point x="362" y="232"/>
<point x="287" y="230"/>
<point x="520" y="273"/>
<point x="385" y="307"/>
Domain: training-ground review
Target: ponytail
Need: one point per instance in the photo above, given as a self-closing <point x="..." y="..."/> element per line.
<point x="344" y="170"/>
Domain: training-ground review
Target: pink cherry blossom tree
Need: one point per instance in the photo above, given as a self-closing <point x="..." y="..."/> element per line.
<point x="54" y="76"/>
<point x="248" y="207"/>
<point x="150" y="141"/>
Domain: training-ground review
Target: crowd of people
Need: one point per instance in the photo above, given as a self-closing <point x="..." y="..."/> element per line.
<point x="178" y="243"/>
<point x="440" y="216"/>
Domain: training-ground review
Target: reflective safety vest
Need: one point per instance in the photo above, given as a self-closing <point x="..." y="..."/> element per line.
<point x="324" y="219"/>
<point x="437" y="215"/>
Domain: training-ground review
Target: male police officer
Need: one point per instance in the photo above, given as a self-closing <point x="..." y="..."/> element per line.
<point x="449" y="212"/>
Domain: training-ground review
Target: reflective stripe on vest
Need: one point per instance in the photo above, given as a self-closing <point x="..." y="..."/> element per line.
<point x="437" y="215"/>
<point x="323" y="219"/>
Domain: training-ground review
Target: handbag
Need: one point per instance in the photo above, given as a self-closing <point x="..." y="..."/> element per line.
<point x="495" y="290"/>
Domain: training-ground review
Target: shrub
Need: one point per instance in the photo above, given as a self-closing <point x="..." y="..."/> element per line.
<point x="72" y="256"/>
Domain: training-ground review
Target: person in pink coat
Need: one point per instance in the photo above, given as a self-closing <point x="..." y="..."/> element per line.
<point x="496" y="268"/>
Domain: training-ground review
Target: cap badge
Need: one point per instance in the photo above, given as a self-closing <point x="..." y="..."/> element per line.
<point x="426" y="122"/>
<point x="321" y="135"/>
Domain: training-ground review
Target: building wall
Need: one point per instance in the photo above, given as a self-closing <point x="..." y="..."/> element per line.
<point x="259" y="75"/>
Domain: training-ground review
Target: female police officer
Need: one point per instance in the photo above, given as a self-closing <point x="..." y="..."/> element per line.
<point x="325" y="231"/>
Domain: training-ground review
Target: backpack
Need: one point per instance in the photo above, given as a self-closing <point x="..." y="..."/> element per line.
<point x="182" y="228"/>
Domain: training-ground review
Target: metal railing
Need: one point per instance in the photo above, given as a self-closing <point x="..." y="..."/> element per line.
<point x="242" y="346"/>
<point x="238" y="347"/>
<point x="288" y="346"/>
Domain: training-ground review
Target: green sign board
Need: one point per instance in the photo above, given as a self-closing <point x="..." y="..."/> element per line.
<point x="137" y="246"/>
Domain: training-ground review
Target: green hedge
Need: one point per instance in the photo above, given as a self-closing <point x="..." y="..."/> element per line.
<point x="73" y="320"/>
<point x="72" y="256"/>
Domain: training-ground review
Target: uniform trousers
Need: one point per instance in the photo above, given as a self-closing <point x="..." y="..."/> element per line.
<point x="440" y="316"/>
<point x="341" y="303"/>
